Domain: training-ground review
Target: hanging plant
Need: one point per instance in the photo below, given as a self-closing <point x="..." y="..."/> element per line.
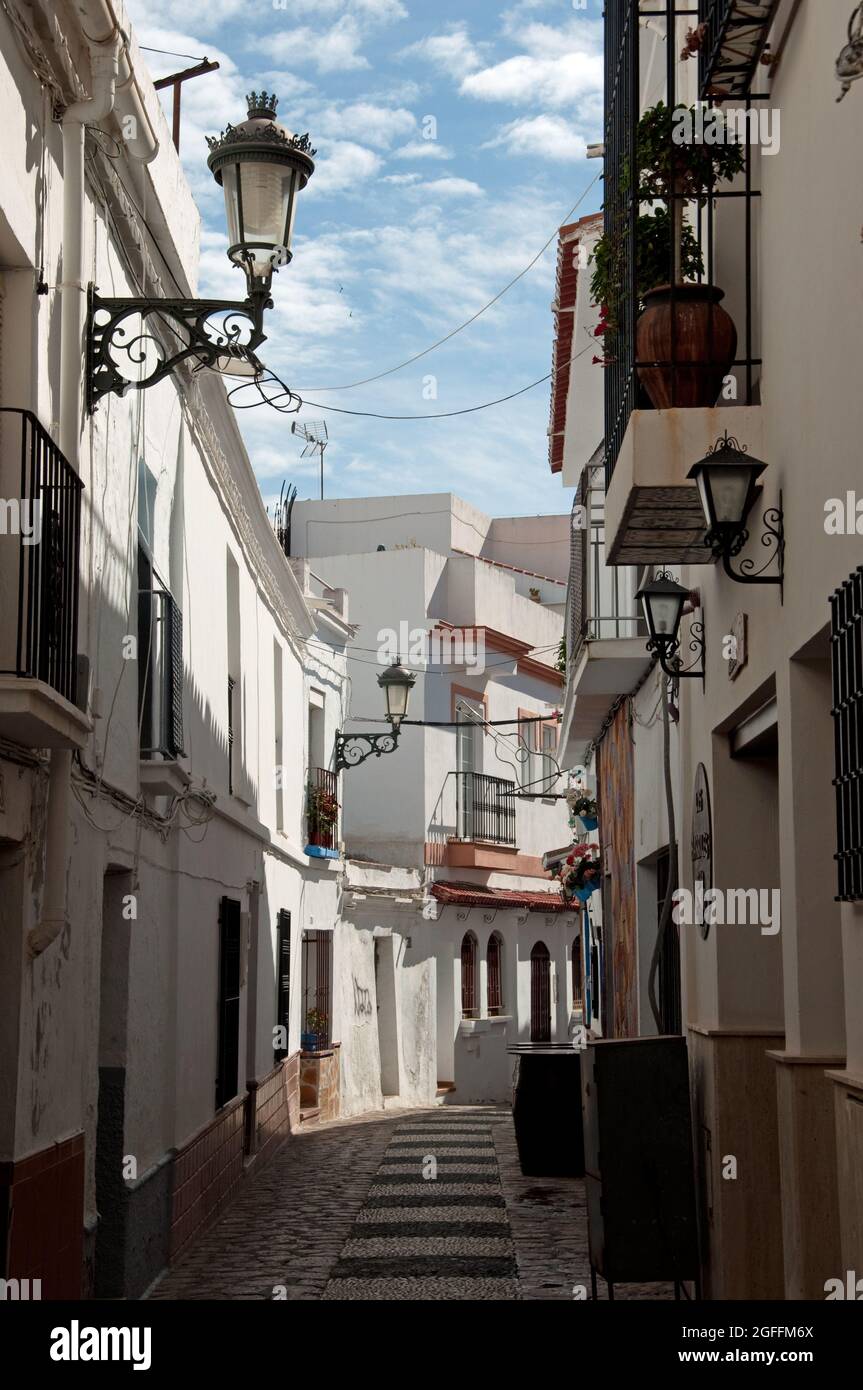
<point x="323" y="807"/>
<point x="580" y="874"/>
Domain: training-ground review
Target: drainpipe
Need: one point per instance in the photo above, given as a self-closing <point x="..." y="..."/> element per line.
<point x="104" y="57"/>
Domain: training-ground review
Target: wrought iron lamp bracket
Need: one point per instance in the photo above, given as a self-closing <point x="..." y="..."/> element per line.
<point x="353" y="749"/>
<point x="207" y="329"/>
<point x="773" y="537"/>
<point x="670" y="661"/>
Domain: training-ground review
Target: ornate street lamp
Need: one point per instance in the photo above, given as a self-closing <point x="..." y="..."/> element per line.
<point x="352" y="749"/>
<point x="727" y="481"/>
<point x="262" y="168"/>
<point x="662" y="600"/>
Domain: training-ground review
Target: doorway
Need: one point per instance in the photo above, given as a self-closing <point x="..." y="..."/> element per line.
<point x="385" y="994"/>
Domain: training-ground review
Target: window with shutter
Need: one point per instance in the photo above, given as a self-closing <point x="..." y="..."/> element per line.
<point x="283" y="982"/>
<point x="229" y="1002"/>
<point x="160" y="665"/>
<point x="846" y="646"/>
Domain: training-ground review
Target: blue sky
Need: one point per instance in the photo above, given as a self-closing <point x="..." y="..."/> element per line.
<point x="400" y="237"/>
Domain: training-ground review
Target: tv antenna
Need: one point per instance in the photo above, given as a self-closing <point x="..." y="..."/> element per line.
<point x="314" y="432"/>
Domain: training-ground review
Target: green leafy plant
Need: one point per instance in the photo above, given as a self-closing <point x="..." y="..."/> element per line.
<point x="560" y="663"/>
<point x="316" y="1022"/>
<point x="665" y="243"/>
<point x="323" y="807"/>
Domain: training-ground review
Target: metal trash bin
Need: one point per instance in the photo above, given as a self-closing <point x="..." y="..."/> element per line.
<point x="546" y="1109"/>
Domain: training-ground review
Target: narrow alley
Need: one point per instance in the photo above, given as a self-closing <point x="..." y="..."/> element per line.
<point x="345" y="1211"/>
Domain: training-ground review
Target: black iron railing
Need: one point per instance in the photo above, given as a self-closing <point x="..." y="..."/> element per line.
<point x="485" y="808"/>
<point x="846" y="643"/>
<point x="160" y="666"/>
<point x="623" y="207"/>
<point x="323" y="808"/>
<point x="733" y="39"/>
<point x="39" y="555"/>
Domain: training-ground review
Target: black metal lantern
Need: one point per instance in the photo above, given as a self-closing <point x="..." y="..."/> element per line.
<point x="727" y="481"/>
<point x="262" y="168"/>
<point x="662" y="601"/>
<point x="352" y="749"/>
<point x="397" y="683"/>
<point x="135" y="343"/>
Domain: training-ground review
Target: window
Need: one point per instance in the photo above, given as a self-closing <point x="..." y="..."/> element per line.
<point x="160" y="664"/>
<point x="229" y="1002"/>
<point x="468" y="977"/>
<point x="577" y="975"/>
<point x="317" y="994"/>
<point x="494" y="991"/>
<point x="468" y="716"/>
<point x="846" y="643"/>
<point x="540" y="993"/>
<point x="283" y="979"/>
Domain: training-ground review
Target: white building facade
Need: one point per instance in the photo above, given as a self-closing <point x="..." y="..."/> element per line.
<point x="162" y="882"/>
<point x="459" y="943"/>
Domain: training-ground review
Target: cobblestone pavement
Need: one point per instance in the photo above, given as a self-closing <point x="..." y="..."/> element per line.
<point x="343" y="1211"/>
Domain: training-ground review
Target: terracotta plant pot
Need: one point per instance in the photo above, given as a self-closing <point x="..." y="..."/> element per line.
<point x="704" y="345"/>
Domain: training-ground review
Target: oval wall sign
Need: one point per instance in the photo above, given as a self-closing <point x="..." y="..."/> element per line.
<point x="702" y="847"/>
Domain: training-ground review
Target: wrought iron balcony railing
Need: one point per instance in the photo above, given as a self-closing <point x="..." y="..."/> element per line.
<point x="485" y="808"/>
<point x="733" y="39"/>
<point x="725" y="213"/>
<point x="39" y="556"/>
<point x="323" y="808"/>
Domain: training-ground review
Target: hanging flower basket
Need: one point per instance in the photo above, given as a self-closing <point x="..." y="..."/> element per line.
<point x="583" y="805"/>
<point x="580" y="873"/>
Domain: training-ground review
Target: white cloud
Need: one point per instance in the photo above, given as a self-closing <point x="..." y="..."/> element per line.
<point x="376" y="11"/>
<point x="559" y="81"/>
<point x="422" y="149"/>
<point x="549" y="137"/>
<point x="336" y="49"/>
<point x="400" y="178"/>
<point x="340" y="165"/>
<point x="453" y="52"/>
<point x="376" y="125"/>
<point x="453" y="188"/>
<point x="152" y="12"/>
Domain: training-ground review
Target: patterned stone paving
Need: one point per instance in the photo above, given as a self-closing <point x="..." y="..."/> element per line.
<point x="453" y="1241"/>
<point x="343" y="1211"/>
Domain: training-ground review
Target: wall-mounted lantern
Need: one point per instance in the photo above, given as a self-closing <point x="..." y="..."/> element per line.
<point x="262" y="168"/>
<point x="727" y="480"/>
<point x="352" y="749"/>
<point x="662" y="601"/>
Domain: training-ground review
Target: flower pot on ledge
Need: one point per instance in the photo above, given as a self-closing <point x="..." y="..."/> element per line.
<point x="589" y="822"/>
<point x="696" y="333"/>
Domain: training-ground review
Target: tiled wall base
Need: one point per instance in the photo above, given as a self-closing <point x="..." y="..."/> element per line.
<point x="208" y="1170"/>
<point x="319" y="1083"/>
<point x="42" y="1218"/>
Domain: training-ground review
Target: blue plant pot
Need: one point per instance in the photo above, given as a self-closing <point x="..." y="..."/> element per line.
<point x="583" y="894"/>
<point x="589" y="822"/>
<point x="309" y="1042"/>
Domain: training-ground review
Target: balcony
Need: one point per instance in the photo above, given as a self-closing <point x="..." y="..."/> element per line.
<point x="40" y="518"/>
<point x="735" y="35"/>
<point x="683" y="356"/>
<point x="322" y="814"/>
<point x="605" y="636"/>
<point x="485" y="809"/>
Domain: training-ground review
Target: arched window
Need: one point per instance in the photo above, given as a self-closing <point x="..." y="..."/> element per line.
<point x="540" y="993"/>
<point x="577" y="974"/>
<point x="469" y="1007"/>
<point x="494" y="964"/>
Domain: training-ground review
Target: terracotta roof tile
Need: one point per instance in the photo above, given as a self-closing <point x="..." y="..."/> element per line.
<point x="469" y="895"/>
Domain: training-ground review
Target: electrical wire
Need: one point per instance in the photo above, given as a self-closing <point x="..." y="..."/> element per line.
<point x="168" y="53"/>
<point x="295" y="402"/>
<point x="445" y="339"/>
